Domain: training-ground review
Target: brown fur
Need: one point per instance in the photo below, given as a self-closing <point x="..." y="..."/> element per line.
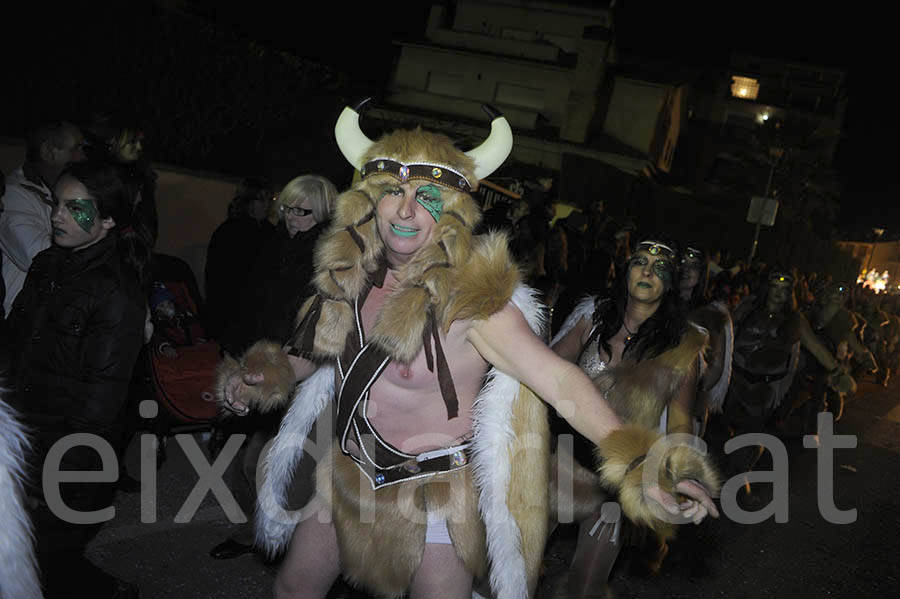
<point x="620" y="448"/>
<point x="638" y="392"/>
<point x="343" y="269"/>
<point x="529" y="482"/>
<point x="268" y="358"/>
<point x="381" y="548"/>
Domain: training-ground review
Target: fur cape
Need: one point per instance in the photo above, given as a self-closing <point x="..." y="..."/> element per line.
<point x="455" y="277"/>
<point x="18" y="567"/>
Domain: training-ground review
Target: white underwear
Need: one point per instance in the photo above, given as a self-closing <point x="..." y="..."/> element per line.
<point x="436" y="531"/>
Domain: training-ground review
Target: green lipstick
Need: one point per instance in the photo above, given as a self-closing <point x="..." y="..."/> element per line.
<point x="404" y="231"/>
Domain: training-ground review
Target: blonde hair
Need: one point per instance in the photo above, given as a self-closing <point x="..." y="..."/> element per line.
<point x="320" y="192"/>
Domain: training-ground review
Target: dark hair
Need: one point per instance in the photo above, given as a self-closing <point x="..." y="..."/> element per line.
<point x="250" y="190"/>
<point x="106" y="182"/>
<point x="663" y="330"/>
<point x="699" y="292"/>
<point x="789" y="310"/>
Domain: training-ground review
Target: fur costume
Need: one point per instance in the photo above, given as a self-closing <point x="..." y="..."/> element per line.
<point x="639" y="393"/>
<point x="455" y="277"/>
<point x="509" y="421"/>
<point x="18" y="567"/>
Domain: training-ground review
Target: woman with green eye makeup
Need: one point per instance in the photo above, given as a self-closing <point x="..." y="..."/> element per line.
<point x="76" y="329"/>
<point x="638" y="347"/>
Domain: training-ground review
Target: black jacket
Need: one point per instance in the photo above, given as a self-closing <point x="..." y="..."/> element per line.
<point x="76" y="329"/>
<point x="274" y="290"/>
<point x="232" y="251"/>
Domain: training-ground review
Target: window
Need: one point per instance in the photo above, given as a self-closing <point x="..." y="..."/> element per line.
<point x="745" y="88"/>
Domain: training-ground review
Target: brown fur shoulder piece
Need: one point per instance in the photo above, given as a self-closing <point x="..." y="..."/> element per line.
<point x="348" y="255"/>
<point x="268" y="358"/>
<point x="623" y="455"/>
<point x="638" y="392"/>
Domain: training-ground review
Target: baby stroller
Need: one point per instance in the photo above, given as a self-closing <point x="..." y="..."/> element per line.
<point x="178" y="364"/>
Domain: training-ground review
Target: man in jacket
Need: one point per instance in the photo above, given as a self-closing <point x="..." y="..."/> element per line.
<point x="25" y="222"/>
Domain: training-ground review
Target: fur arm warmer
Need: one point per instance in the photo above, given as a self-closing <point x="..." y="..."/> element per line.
<point x="622" y="456"/>
<point x="267" y="358"/>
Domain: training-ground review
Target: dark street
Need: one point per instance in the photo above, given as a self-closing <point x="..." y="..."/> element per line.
<point x="805" y="557"/>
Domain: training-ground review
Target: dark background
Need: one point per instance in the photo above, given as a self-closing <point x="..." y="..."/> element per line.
<point x="139" y="62"/>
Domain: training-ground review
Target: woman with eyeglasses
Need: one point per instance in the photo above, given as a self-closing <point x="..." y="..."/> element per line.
<point x="270" y="298"/>
<point x="639" y="348"/>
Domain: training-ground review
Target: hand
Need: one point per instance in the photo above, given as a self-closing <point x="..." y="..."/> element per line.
<point x="695" y="507"/>
<point x="235" y="388"/>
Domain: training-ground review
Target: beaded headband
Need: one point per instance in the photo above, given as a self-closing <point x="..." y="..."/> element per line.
<point x="436" y="173"/>
<point x="655" y="247"/>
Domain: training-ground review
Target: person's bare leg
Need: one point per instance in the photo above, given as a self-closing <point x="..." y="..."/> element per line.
<point x="312" y="563"/>
<point x="595" y="553"/>
<point x="441" y="574"/>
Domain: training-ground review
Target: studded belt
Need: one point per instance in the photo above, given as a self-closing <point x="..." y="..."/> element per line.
<point x="425" y="464"/>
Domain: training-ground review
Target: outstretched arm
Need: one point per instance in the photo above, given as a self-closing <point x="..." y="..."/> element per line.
<point x="263" y="377"/>
<point x="506" y="341"/>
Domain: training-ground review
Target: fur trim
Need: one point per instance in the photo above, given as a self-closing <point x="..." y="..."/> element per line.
<point x="716" y="319"/>
<point x="584" y="309"/>
<point x="514" y="548"/>
<point x="274" y="525"/>
<point x="622" y="468"/>
<point x="18" y="567"/>
<point x="268" y="358"/>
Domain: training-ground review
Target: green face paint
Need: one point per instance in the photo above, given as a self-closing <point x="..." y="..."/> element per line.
<point x="663" y="269"/>
<point x="429" y="196"/>
<point x="84" y="211"/>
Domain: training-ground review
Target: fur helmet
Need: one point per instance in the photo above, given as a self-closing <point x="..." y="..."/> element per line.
<point x="351" y="250"/>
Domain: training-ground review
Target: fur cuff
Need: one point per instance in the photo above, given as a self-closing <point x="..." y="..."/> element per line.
<point x="265" y="357"/>
<point x="622" y="456"/>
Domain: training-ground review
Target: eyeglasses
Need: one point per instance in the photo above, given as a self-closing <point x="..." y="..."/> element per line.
<point x="296" y="210"/>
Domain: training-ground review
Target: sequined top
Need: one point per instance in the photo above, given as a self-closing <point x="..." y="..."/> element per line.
<point x="589" y="359"/>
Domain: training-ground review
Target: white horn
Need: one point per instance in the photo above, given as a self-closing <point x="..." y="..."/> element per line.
<point x="350" y="139"/>
<point x="496" y="148"/>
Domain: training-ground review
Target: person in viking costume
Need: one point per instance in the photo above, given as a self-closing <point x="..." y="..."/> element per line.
<point x="834" y="327"/>
<point x="715" y="318"/>
<point x="427" y="343"/>
<point x="638" y="348"/>
<point x="769" y="335"/>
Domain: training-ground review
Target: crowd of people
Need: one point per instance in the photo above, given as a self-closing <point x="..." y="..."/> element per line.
<point x="429" y="344"/>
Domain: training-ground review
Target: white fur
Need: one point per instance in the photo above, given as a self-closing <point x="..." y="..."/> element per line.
<point x="716" y="398"/>
<point x="274" y="525"/>
<point x="585" y="308"/>
<point x="490" y="461"/>
<point x="18" y="568"/>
